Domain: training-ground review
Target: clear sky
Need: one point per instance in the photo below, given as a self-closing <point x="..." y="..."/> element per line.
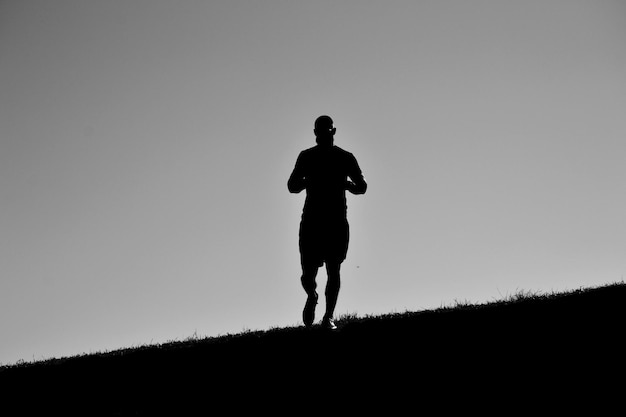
<point x="145" y="148"/>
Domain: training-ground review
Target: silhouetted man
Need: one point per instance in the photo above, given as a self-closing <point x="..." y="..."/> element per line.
<point x="323" y="171"/>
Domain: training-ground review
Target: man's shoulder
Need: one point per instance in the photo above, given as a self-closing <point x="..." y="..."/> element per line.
<point x="342" y="151"/>
<point x="345" y="156"/>
<point x="306" y="155"/>
<point x="317" y="152"/>
<point x="308" y="151"/>
<point x="334" y="149"/>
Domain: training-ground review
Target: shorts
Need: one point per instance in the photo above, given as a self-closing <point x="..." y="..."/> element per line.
<point x="323" y="241"/>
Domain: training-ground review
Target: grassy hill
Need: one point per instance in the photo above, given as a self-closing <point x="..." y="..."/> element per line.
<point x="528" y="349"/>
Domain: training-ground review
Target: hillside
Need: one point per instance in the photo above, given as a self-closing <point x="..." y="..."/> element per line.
<point x="511" y="351"/>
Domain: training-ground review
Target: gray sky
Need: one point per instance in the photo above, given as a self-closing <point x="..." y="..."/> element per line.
<point x="145" y="148"/>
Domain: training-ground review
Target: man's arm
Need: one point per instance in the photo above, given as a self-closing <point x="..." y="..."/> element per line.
<point x="297" y="182"/>
<point x="356" y="184"/>
<point x="357" y="187"/>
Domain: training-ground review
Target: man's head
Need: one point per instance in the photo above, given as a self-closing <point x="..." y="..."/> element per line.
<point x="324" y="130"/>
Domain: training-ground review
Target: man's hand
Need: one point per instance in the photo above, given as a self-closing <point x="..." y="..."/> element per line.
<point x="356" y="188"/>
<point x="350" y="186"/>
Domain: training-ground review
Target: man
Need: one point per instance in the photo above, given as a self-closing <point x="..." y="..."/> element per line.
<point x="323" y="171"/>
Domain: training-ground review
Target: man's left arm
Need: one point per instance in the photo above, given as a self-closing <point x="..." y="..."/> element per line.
<point x="356" y="184"/>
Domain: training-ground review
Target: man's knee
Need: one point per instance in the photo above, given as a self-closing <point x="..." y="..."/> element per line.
<point x="334" y="277"/>
<point x="308" y="279"/>
<point x="333" y="269"/>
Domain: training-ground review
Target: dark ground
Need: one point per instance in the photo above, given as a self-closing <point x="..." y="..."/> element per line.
<point x="550" y="353"/>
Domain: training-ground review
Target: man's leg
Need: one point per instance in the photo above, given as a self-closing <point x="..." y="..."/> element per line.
<point x="332" y="288"/>
<point x="309" y="274"/>
<point x="308" y="283"/>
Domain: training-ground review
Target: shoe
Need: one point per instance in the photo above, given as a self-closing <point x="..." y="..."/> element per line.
<point x="328" y="324"/>
<point x="308" y="314"/>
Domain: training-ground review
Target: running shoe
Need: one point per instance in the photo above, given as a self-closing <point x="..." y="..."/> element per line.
<point x="328" y="323"/>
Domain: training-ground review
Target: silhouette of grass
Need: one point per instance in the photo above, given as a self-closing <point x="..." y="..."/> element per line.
<point x="525" y="347"/>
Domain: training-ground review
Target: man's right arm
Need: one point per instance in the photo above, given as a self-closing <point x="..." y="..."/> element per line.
<point x="297" y="181"/>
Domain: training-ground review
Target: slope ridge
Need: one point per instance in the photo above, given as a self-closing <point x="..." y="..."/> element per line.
<point x="533" y="344"/>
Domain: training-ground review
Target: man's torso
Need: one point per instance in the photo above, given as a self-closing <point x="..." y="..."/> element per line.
<point x="326" y="171"/>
